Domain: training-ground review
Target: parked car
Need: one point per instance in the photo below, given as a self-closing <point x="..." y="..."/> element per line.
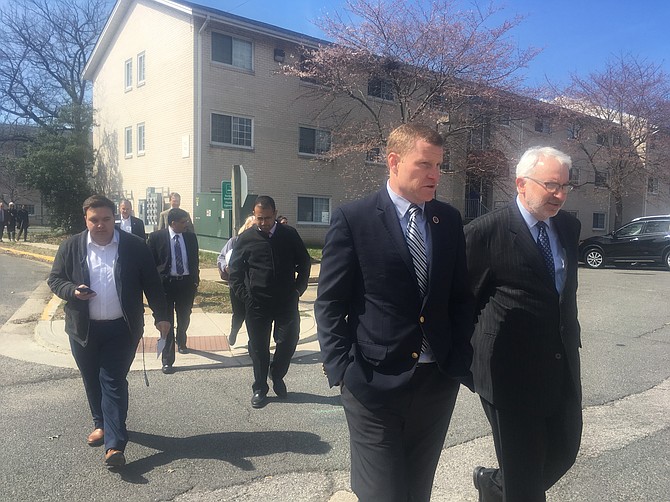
<point x="643" y="240"/>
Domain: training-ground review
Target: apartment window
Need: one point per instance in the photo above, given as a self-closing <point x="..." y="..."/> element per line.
<point x="504" y="118"/>
<point x="542" y="124"/>
<point x="314" y="141"/>
<point x="572" y="213"/>
<point x="129" y="74"/>
<point x="140" y="139"/>
<point x="374" y="156"/>
<point x="232" y="51"/>
<point x="574" y="130"/>
<point x="598" y="221"/>
<point x="601" y="139"/>
<point x="652" y="185"/>
<point x="380" y="88"/>
<point x="128" y="148"/>
<point x="601" y="179"/>
<point x="574" y="175"/>
<point x="446" y="161"/>
<point x="231" y="130"/>
<point x="31" y="208"/>
<point x="140" y="69"/>
<point x="308" y="66"/>
<point x="314" y="210"/>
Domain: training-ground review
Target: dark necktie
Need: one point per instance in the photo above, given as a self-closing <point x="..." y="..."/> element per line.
<point x="545" y="248"/>
<point x="178" y="258"/>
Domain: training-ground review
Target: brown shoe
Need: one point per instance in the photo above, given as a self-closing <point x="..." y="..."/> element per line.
<point x="96" y="438"/>
<point x="115" y="458"/>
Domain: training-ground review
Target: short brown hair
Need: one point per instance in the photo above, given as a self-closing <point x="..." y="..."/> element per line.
<point x="403" y="138"/>
<point x="95" y="201"/>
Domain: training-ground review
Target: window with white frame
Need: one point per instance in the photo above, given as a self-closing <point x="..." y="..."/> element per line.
<point x="232" y="130"/>
<point x="140" y="138"/>
<point x="375" y="156"/>
<point x="598" y="221"/>
<point x="232" y="51"/>
<point x="652" y="185"/>
<point x="129" y="75"/>
<point x="313" y="210"/>
<point x="128" y="142"/>
<point x="600" y="179"/>
<point x="542" y="124"/>
<point x="314" y="141"/>
<point x="140" y="69"/>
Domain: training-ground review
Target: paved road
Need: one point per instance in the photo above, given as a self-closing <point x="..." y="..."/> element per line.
<point x="195" y="437"/>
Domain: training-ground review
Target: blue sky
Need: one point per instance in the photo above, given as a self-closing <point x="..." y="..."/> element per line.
<point x="577" y="36"/>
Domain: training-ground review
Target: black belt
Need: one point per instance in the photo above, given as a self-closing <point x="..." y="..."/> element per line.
<point x="177" y="277"/>
<point x="106" y="321"/>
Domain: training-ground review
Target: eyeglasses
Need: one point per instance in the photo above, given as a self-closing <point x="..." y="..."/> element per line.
<point x="552" y="187"/>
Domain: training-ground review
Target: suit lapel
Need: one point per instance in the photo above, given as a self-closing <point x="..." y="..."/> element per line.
<point x="526" y="245"/>
<point x="388" y="215"/>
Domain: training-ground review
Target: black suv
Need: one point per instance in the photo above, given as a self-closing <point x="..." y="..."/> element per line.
<point x="643" y="240"/>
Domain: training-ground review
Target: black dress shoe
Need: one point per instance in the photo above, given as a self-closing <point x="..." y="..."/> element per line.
<point x="167" y="369"/>
<point x="183" y="350"/>
<point x="280" y="388"/>
<point x="259" y="399"/>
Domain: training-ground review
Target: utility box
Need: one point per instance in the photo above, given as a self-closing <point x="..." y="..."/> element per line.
<point x="213" y="225"/>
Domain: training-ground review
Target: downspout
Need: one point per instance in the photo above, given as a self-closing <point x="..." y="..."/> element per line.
<point x="198" y="113"/>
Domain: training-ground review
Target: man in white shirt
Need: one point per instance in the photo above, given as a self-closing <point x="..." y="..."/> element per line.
<point x="103" y="273"/>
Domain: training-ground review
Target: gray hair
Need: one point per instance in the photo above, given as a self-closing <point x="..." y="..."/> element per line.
<point x="533" y="156"/>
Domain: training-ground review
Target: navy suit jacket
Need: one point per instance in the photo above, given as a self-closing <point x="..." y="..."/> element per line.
<point x="370" y="315"/>
<point x="527" y="336"/>
<point x="134" y="275"/>
<point x="161" y="250"/>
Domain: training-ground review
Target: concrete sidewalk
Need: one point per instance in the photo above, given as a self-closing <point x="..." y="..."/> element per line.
<point x="207" y="333"/>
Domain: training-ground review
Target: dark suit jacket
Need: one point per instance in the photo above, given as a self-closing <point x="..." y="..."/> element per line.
<point x="370" y="317"/>
<point x="524" y="329"/>
<point x="161" y="250"/>
<point x="136" y="227"/>
<point x="134" y="274"/>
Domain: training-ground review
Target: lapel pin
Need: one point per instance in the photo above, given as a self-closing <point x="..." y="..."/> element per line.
<point x="436" y="219"/>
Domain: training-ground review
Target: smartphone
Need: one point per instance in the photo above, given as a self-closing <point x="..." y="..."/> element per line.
<point x="85" y="290"/>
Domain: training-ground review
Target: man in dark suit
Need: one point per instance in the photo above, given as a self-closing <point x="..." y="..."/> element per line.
<point x="102" y="274"/>
<point x="175" y="253"/>
<point x="394" y="325"/>
<point x="22" y="222"/>
<point x="127" y="222"/>
<point x="3" y="219"/>
<point x="522" y="261"/>
<point x="269" y="270"/>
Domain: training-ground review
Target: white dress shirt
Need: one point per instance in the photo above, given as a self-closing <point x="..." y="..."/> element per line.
<point x="101" y="260"/>
<point x="125" y="225"/>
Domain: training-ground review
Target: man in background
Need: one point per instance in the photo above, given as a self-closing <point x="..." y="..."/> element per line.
<point x="127" y="222"/>
<point x="175" y="202"/>
<point x="269" y="270"/>
<point x="175" y="254"/>
<point x="22" y="222"/>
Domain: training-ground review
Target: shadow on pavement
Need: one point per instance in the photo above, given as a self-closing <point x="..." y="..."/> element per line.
<point x="236" y="448"/>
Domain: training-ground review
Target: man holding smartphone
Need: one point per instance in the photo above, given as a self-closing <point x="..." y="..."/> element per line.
<point x="102" y="274"/>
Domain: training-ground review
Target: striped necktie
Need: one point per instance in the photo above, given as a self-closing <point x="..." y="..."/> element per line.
<point x="417" y="248"/>
<point x="178" y="258"/>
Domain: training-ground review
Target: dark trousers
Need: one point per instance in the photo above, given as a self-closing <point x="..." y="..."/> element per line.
<point x="286" y="333"/>
<point x="179" y="295"/>
<point x="395" y="449"/>
<point x="533" y="452"/>
<point x="104" y="364"/>
<point x="239" y="313"/>
<point x="24" y="231"/>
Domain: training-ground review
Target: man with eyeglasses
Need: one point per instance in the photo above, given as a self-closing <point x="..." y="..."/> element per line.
<point x="522" y="261"/>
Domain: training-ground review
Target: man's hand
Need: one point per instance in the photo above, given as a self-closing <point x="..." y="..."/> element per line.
<point x="163" y="327"/>
<point x="83" y="292"/>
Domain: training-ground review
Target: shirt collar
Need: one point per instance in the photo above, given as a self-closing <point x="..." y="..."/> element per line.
<point x="89" y="241"/>
<point x="172" y="232"/>
<point x="401" y="204"/>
